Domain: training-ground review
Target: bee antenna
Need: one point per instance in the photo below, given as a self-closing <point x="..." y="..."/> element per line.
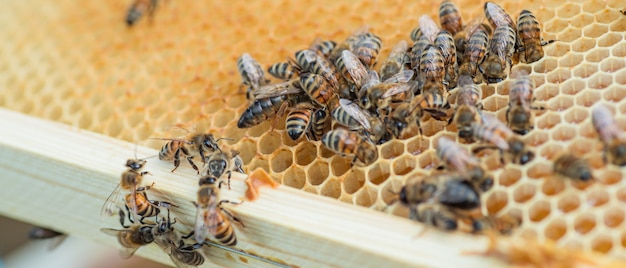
<point x="136" y="145"/>
<point x="226" y="139"/>
<point x="170" y="139"/>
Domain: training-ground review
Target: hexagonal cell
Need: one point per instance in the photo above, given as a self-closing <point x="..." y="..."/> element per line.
<point x="392" y="149"/>
<point x="600" y="81"/>
<point x="583" y="44"/>
<point x="539" y="211"/>
<point x="556" y="24"/>
<point x="597" y="198"/>
<point x="269" y="142"/>
<point x="556" y="229"/>
<point x="568" y="203"/>
<point x="611" y="65"/>
<point x="623" y="240"/>
<point x="620" y="77"/>
<point x="593" y="6"/>
<point x="325" y="152"/>
<point x="561" y="103"/>
<point x="610" y="39"/>
<point x="581" y="146"/>
<point x="582" y="20"/>
<point x="496" y="202"/>
<point x="225" y="117"/>
<point x="281" y="160"/>
<point x="575" y="115"/>
<point x="568" y="10"/>
<point x="378" y="173"/>
<point x="366" y="197"/>
<point x="610" y="177"/>
<point x="573" y="86"/>
<point x="432" y="127"/>
<point x="417" y="145"/>
<point x="613" y="217"/>
<point x="544" y="66"/>
<point x="585" y="70"/>
<point x="584" y="223"/>
<point x="317" y="173"/>
<point x="548" y="120"/>
<point x="404" y="165"/>
<point x="340" y="165"/>
<point x="524" y="192"/>
<point x="389" y="192"/>
<point x="588" y="98"/>
<point x="354" y="181"/>
<point x="563" y="133"/>
<point x="495" y="103"/>
<point x="428" y="161"/>
<point x="539" y="170"/>
<point x="509" y="176"/>
<point x="258" y="163"/>
<point x="260" y="129"/>
<point x="595" y="30"/>
<point x="614" y="94"/>
<point x="537" y="137"/>
<point x="305" y="153"/>
<point x="559" y="75"/>
<point x="332" y="188"/>
<point x="570" y="60"/>
<point x="294" y="177"/>
<point x="602" y="243"/>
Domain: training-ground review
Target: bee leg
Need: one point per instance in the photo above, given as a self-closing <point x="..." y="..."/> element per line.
<point x="123" y="219"/>
<point x="231" y="216"/>
<point x="281" y="111"/>
<point x="502" y="157"/>
<point x="543" y="43"/>
<point x="176" y="159"/>
<point x="128" y="210"/>
<point x="163" y="204"/>
<point x="193" y="165"/>
<point x="189" y="235"/>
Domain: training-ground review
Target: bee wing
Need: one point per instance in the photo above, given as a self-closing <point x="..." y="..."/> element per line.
<point x="401" y="77"/>
<point x="110" y="206"/>
<point x="174" y="256"/>
<point x="200" y="230"/>
<point x="253" y="69"/>
<point x="278" y="89"/>
<point x="310" y="55"/>
<point x="396" y="89"/>
<point x="355" y="68"/>
<point x="213" y="219"/>
<point x="493" y="122"/>
<point x="400" y="47"/>
<point x="355" y="111"/>
<point x="56" y="242"/>
<point x="428" y="27"/>
<point x="371" y="80"/>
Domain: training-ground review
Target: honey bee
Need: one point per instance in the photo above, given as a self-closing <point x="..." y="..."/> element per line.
<point x="319" y="90"/>
<point x="283" y="70"/>
<point x="136" y="201"/>
<point x="437" y="215"/>
<point x="220" y="163"/>
<point x="434" y="104"/>
<point x="495" y="132"/>
<point x="323" y="48"/>
<point x="460" y="160"/>
<point x="428" y="27"/>
<point x="132" y="237"/>
<point x="416" y="51"/>
<point x="451" y="190"/>
<point x="400" y="120"/>
<point x="319" y="124"/>
<point x="251" y="73"/>
<point x="270" y="100"/>
<point x="467" y="107"/>
<point x="351" y="68"/>
<point x="432" y="71"/>
<point x="377" y="95"/>
<point x="350" y="115"/>
<point x="450" y="18"/>
<point x="345" y="142"/>
<point x="610" y="134"/>
<point x="415" y="34"/>
<point x="298" y="120"/>
<point x="497" y="16"/>
<point x="196" y="143"/>
<point x="211" y="217"/>
<point x="573" y="167"/>
<point x="474" y="53"/>
<point x="396" y="61"/>
<point x="311" y="62"/>
<point x="623" y="11"/>
<point x="445" y="43"/>
<point x="498" y="62"/>
<point x="530" y="44"/>
<point x="348" y="44"/>
<point x="504" y="224"/>
<point x="138" y="9"/>
<point x="519" y="112"/>
<point x="367" y="49"/>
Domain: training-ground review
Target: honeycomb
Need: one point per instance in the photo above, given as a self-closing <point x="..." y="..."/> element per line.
<point x="81" y="65"/>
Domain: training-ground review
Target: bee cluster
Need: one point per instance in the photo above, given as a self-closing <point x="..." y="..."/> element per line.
<point x="213" y="221"/>
<point x="334" y="95"/>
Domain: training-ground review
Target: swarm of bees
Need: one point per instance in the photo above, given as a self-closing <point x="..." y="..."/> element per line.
<point x="332" y="93"/>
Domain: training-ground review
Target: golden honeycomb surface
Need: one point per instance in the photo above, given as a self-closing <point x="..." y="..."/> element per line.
<point x="78" y="63"/>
